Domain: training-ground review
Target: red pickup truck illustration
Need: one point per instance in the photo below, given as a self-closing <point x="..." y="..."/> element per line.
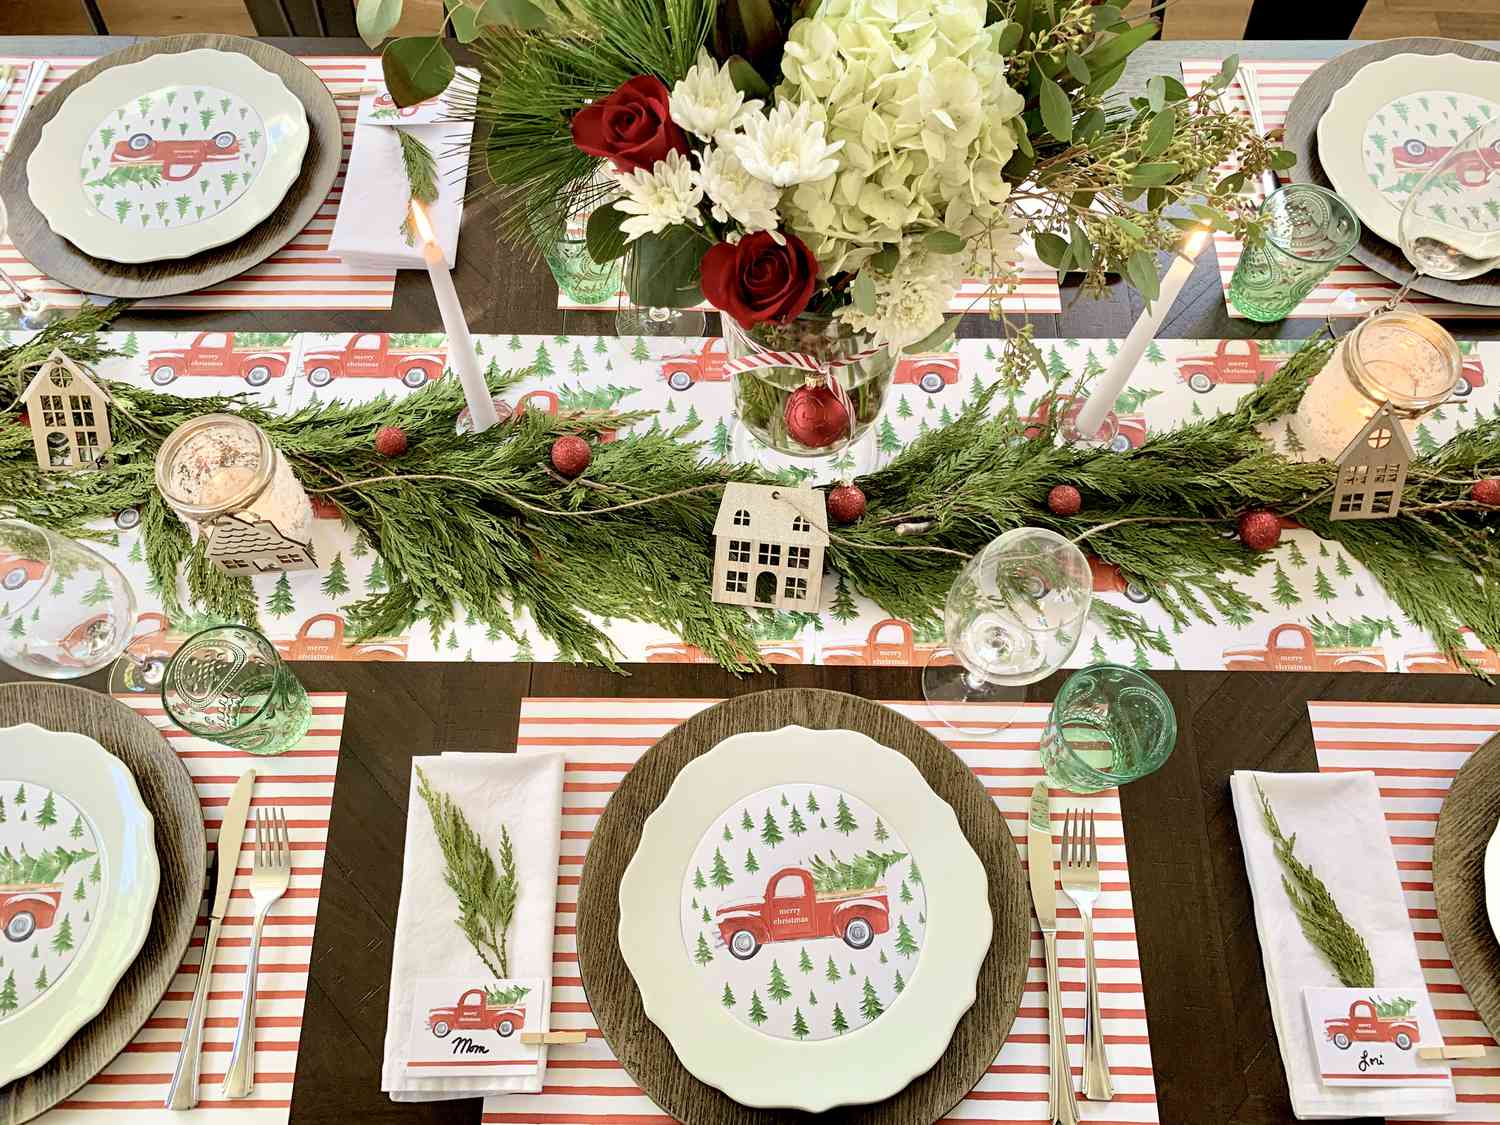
<point x="793" y="911"/>
<point x="179" y="160"/>
<point x="1435" y="661"/>
<point x="28" y="907"/>
<point x="1362" y="1025"/>
<point x="682" y="369"/>
<point x="385" y="106"/>
<point x="215" y="353"/>
<point x="474" y="1013"/>
<point x="1110" y="579"/>
<point x="1470" y="377"/>
<point x="929" y="372"/>
<point x="1232" y="361"/>
<point x="548" y="403"/>
<point x="1290" y="648"/>
<point x="369" y="355"/>
<point x="1130" y="429"/>
<point x="889" y="644"/>
<point x="1472" y="169"/>
<point x="322" y="638"/>
<point x="679" y="652"/>
<point x="15" y="571"/>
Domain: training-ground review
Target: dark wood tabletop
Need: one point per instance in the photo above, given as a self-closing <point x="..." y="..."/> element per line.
<point x="1212" y="1042"/>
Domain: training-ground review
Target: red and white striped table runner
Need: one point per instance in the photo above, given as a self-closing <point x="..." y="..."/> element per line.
<point x="301" y="275"/>
<point x="301" y="782"/>
<point x="1414" y="751"/>
<point x="586" y="1085"/>
<point x="1351" y="290"/>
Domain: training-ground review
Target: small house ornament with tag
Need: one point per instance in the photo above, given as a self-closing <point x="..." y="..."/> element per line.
<point x="69" y="416"/>
<point x="769" y="544"/>
<point x="1372" y="470"/>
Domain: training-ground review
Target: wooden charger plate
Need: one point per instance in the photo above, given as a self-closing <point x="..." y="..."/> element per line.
<point x="60" y="260"/>
<point x="1302" y="116"/>
<point x="642" y="1048"/>
<point x="1470" y="812"/>
<point x="182" y="849"/>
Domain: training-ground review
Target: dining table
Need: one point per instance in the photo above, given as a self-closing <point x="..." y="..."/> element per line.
<point x="1213" y="1046"/>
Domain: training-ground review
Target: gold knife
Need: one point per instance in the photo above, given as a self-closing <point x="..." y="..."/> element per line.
<point x="1062" y="1106"/>
<point x="183" y="1092"/>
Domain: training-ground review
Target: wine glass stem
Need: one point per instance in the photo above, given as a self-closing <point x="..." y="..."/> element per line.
<point x="974" y="681"/>
<point x="659" y="314"/>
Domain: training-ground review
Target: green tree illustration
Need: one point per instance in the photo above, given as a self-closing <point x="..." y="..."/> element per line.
<point x="778" y="990"/>
<point x="1321" y="586"/>
<point x="812" y="802"/>
<point x="20" y="796"/>
<point x="906" y="945"/>
<point x="1294" y="553"/>
<point x="770" y="831"/>
<point x="703" y="954"/>
<point x="903" y="408"/>
<point x="870" y="1007"/>
<point x="2" y="810"/>
<point x="881" y="835"/>
<point x="898" y="984"/>
<point x="41" y="981"/>
<point x="62" y="941"/>
<point x="541" y="363"/>
<point x="887" y="440"/>
<point x="280" y="602"/>
<point x="831" y="974"/>
<point x="757" y="1009"/>
<point x="1426" y="443"/>
<point x="905" y="894"/>
<point x="98" y="593"/>
<point x="375" y="580"/>
<point x="79" y="893"/>
<point x="799" y="1025"/>
<point x="1154" y="354"/>
<point x="843" y="820"/>
<point x="600" y="347"/>
<point x="913" y="874"/>
<point x="577" y="364"/>
<point x="1282" y="590"/>
<point x="336" y="582"/>
<point x="728" y="998"/>
<point x="750" y="864"/>
<point x="135" y="552"/>
<point x="8" y="1001"/>
<point x="745" y="822"/>
<point x="882" y="957"/>
<point x="804" y="962"/>
<point x="77" y="830"/>
<point x="1097" y="654"/>
<point x="639" y="351"/>
<point x="720" y="876"/>
<point x="728" y="835"/>
<point x="361" y="546"/>
<point x="794" y="823"/>
<point x="707" y="918"/>
<point x="720" y="441"/>
<point x="698" y="881"/>
<point x="94" y="872"/>
<point x="812" y="999"/>
<point x="48" y="816"/>
<point x="1341" y="567"/>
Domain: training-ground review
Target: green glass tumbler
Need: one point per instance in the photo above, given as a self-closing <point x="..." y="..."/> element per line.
<point x="1307" y="232"/>
<point x="1109" y="725"/>
<point x="229" y="685"/>
<point x="573" y="268"/>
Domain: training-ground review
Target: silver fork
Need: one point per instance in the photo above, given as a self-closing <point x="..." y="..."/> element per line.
<point x="1079" y="868"/>
<point x="268" y="882"/>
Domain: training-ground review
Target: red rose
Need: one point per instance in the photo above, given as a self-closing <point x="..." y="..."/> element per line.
<point x="760" y="279"/>
<point x="631" y="127"/>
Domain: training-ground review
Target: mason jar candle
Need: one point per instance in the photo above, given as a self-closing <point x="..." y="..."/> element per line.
<point x="224" y="465"/>
<point x="1398" y="357"/>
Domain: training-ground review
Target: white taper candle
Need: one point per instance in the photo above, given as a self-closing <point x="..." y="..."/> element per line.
<point x="1102" y="395"/>
<point x="460" y="345"/>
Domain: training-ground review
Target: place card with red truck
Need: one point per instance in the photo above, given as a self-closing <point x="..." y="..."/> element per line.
<point x="1370" y="1036"/>
<point x="463" y="1027"/>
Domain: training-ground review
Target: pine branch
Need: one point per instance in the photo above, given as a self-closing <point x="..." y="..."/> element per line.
<point x="420" y="166"/>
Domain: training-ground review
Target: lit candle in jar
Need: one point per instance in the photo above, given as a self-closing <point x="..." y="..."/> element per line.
<point x="460" y="347"/>
<point x="1398" y="357"/>
<point x="222" y="464"/>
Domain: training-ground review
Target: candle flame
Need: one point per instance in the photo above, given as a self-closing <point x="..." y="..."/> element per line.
<point x="422" y="222"/>
<point x="1195" y="242"/>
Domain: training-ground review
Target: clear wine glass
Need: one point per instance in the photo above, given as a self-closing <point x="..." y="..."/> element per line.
<point x="1450" y="223"/>
<point x="657" y="321"/>
<point x="1013" y="616"/>
<point x="35" y="311"/>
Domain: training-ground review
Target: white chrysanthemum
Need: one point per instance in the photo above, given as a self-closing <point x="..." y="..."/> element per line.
<point x="910" y="301"/>
<point x="663" y="197"/>
<point x="735" y="194"/>
<point x="785" y="147"/>
<point x="705" y="101"/>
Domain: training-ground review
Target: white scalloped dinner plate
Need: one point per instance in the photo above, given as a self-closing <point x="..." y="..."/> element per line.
<point x="70" y="923"/>
<point x="169" y="156"/>
<point x="778" y="978"/>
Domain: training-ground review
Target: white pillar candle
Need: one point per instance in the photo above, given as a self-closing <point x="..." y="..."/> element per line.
<point x="1102" y="395"/>
<point x="460" y="346"/>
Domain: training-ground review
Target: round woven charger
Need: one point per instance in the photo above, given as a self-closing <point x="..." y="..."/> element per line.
<point x="1302" y="116"/>
<point x="60" y="260"/>
<point x="1465" y="825"/>
<point x="181" y="848"/>
<point x="612" y="993"/>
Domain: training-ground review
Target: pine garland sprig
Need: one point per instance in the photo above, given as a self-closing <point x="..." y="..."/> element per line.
<point x="420" y="166"/>
<point x="1323" y="923"/>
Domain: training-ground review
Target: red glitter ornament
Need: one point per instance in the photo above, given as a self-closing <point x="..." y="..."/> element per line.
<point x="571" y="455"/>
<point x="1260" y="530"/>
<point x="846" y="503"/>
<point x="390" y="441"/>
<point x="1064" y="500"/>
<point x="1486" y="492"/>
<point x="817" y="415"/>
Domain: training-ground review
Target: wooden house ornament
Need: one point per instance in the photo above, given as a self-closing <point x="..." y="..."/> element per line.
<point x="769" y="544"/>
<point x="69" y="416"/>
<point x="1372" y="470"/>
<point x="239" y="546"/>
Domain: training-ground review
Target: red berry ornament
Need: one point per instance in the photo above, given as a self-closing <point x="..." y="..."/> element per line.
<point x="571" y="455"/>
<point x="846" y="503"/>
<point x="390" y="441"/>
<point x="1486" y="492"/>
<point x="1064" y="500"/>
<point x="816" y="416"/>
<point x="1260" y="530"/>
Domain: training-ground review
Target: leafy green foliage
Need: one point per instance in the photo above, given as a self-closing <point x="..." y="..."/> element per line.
<point x="512" y="995"/>
<point x="861" y="873"/>
<point x="44" y="868"/>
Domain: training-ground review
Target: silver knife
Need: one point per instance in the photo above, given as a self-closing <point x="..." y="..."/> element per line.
<point x="183" y="1092"/>
<point x="1062" y="1105"/>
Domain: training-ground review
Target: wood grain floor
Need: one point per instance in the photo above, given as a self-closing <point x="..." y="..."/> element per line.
<point x="1185" y="19"/>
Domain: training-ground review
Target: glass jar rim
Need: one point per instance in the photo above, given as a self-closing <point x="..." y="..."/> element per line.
<point x="264" y="469"/>
<point x="1357" y="367"/>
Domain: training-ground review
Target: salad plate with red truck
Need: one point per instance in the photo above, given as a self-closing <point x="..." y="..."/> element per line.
<point x="793" y="909"/>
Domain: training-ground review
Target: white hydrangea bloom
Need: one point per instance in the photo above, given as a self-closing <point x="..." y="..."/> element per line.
<point x="705" y="101"/>
<point x="735" y="194"/>
<point x="665" y="196"/>
<point x="785" y="147"/>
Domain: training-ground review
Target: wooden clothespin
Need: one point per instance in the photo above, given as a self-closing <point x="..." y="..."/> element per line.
<point x="1455" y="1051"/>
<point x="553" y="1037"/>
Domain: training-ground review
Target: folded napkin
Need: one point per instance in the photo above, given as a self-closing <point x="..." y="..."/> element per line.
<point x="1341" y="834"/>
<point x="523" y="793"/>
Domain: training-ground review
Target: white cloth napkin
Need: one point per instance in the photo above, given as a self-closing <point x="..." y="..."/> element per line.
<point x="1341" y="834"/>
<point x="523" y="793"/>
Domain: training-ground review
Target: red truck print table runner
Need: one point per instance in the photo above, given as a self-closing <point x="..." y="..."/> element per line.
<point x="1320" y="611"/>
<point x="586" y="1085"/>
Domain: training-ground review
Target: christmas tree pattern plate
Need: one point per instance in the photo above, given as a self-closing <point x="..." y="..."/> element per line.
<point x="804" y="919"/>
<point x="1395" y="121"/>
<point x="168" y="156"/>
<point x="78" y="883"/>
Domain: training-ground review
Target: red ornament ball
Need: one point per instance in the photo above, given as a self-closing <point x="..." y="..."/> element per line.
<point x="1064" y="500"/>
<point x="1486" y="492"/>
<point x="846" y="503"/>
<point x="390" y="441"/>
<point x="571" y="455"/>
<point x="815" y="417"/>
<point x="1260" y="530"/>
